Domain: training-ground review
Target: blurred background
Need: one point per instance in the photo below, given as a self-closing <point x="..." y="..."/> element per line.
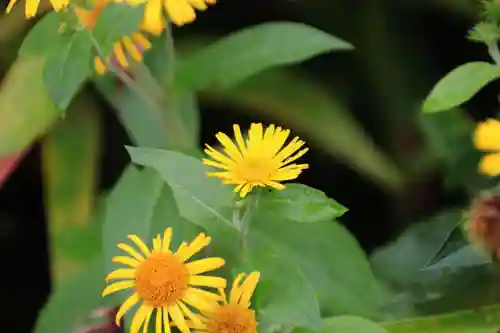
<point x="359" y="112"/>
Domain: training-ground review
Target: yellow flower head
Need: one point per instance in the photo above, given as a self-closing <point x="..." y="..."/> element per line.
<point x="487" y="138"/>
<point x="128" y="48"/>
<point x="162" y="280"/>
<point x="263" y="160"/>
<point x="31" y="6"/>
<point x="179" y="12"/>
<point x="234" y="316"/>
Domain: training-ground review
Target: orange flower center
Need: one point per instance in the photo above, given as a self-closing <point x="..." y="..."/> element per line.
<point x="161" y="279"/>
<point x="89" y="17"/>
<point x="232" y="319"/>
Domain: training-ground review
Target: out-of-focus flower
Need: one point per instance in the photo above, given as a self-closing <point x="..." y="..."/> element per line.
<point x="31" y="6"/>
<point x="487" y="138"/>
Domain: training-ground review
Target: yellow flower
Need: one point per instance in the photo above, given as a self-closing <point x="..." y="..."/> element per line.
<point x="234" y="316"/>
<point x="162" y="280"/>
<point x="128" y="47"/>
<point x="31" y="6"/>
<point x="179" y="12"/>
<point x="263" y="160"/>
<point x="487" y="138"/>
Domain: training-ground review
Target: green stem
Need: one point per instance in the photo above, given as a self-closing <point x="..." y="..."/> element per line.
<point x="250" y="204"/>
<point x="494" y="52"/>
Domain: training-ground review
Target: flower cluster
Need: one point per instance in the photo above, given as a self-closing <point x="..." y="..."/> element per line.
<point x="487" y="138"/>
<point x="166" y="283"/>
<point x="129" y="48"/>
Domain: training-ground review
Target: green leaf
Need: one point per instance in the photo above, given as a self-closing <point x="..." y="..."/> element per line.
<point x="346" y="324"/>
<point x="129" y="210"/>
<point x="301" y="203"/>
<point x="477" y="320"/>
<point x="399" y="262"/>
<point x="26" y="111"/>
<point x="253" y="50"/>
<point x="67" y="68"/>
<point x="44" y="37"/>
<point x="73" y="299"/>
<point x="310" y="108"/>
<point x="201" y="200"/>
<point x="116" y="21"/>
<point x="329" y="257"/>
<point x="288" y="299"/>
<point x="460" y="85"/>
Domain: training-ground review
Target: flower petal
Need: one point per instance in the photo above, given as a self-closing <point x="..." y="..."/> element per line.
<point x="125" y="307"/>
<point x="204" y="265"/>
<point x="178" y="318"/>
<point x="140" y="317"/>
<point x="140" y="244"/>
<point x="207" y="281"/>
<point x="122" y="273"/>
<point x="130" y="250"/>
<point x="487" y="135"/>
<point x="117" y="286"/>
<point x="126" y="261"/>
<point x="490" y="164"/>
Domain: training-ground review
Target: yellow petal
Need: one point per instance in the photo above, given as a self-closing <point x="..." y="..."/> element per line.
<point x="166" y="323"/>
<point x="117" y="286"/>
<point x="146" y="322"/>
<point x="126" y="261"/>
<point x="490" y="165"/>
<point x="487" y="135"/>
<point x="99" y="65"/>
<point x="197" y="301"/>
<point x="125" y="307"/>
<point x="158" y="324"/>
<point x="234" y="296"/>
<point x="127" y="248"/>
<point x="157" y="244"/>
<point x="180" y="12"/>
<point x="120" y="55"/>
<point x="10" y="6"/>
<point x="218" y="156"/>
<point x="207" y="281"/>
<point x="167" y="238"/>
<point x="229" y="147"/>
<point x="204" y="265"/>
<point x="239" y="139"/>
<point x="140" y="317"/>
<point x="178" y="318"/>
<point x="248" y="288"/>
<point x="215" y="164"/>
<point x="189" y="314"/>
<point x="122" y="273"/>
<point x="140" y="244"/>
<point x="31" y="7"/>
<point x="153" y="16"/>
<point x="194" y="247"/>
<point x="143" y="41"/>
<point x="132" y="48"/>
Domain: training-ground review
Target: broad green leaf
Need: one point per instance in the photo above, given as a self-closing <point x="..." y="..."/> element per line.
<point x="467" y="256"/>
<point x="253" y="50"/>
<point x="310" y="108"/>
<point x="70" y="156"/>
<point x="73" y="299"/>
<point x="198" y="197"/>
<point x="67" y="68"/>
<point x="44" y="37"/>
<point x="460" y="85"/>
<point x="116" y="21"/>
<point x="398" y="262"/>
<point x="301" y="203"/>
<point x="201" y="200"/>
<point x="26" y="111"/>
<point x="329" y="257"/>
<point x="346" y="324"/>
<point x="288" y="298"/>
<point x="477" y="320"/>
<point x="129" y="210"/>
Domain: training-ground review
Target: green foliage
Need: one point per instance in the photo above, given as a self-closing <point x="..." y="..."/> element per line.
<point x="116" y="21"/>
<point x="267" y="45"/>
<point x="44" y="37"/>
<point x="460" y="85"/>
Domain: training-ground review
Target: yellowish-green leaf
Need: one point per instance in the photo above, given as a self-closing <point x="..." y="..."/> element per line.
<point x="26" y="111"/>
<point x="70" y="157"/>
<point x="460" y="85"/>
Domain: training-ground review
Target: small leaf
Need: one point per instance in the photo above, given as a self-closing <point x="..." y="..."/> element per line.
<point x="460" y="85"/>
<point x="224" y="64"/>
<point x="301" y="203"/>
<point x="73" y="299"/>
<point x="288" y="299"/>
<point x="67" y="68"/>
<point x="115" y="22"/>
<point x="346" y="324"/>
<point x="44" y="37"/>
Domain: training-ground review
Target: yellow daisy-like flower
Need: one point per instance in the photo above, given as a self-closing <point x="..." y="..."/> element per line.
<point x="263" y="160"/>
<point x="31" y="6"/>
<point x="235" y="315"/>
<point x="165" y="282"/>
<point x="180" y="12"/>
<point x="128" y="48"/>
<point x="487" y="138"/>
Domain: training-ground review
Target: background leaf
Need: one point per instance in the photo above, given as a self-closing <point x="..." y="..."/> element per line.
<point x="349" y="324"/>
<point x="70" y="158"/>
<point x="459" y="85"/>
<point x="44" y="37"/>
<point x="25" y="109"/>
<point x="67" y="67"/>
<point x="266" y="45"/>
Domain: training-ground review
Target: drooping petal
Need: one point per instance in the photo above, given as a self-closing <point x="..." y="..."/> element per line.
<point x="125" y="307"/>
<point x="178" y="318"/>
<point x="140" y="317"/>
